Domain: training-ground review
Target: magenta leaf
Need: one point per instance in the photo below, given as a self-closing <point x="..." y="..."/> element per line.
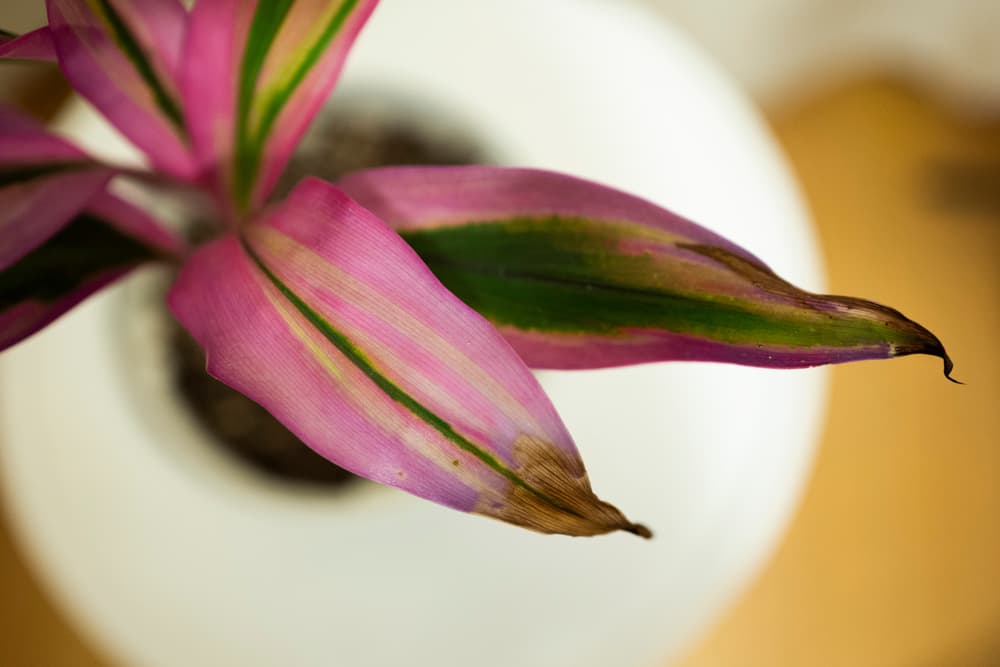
<point x="98" y="246"/>
<point x="321" y="314"/>
<point x="62" y="236"/>
<point x="254" y="75"/>
<point x="577" y="275"/>
<point x="124" y="58"/>
<point x="35" y="45"/>
<point x="44" y="182"/>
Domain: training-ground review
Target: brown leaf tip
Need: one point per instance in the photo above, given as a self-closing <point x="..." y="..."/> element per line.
<point x="909" y="336"/>
<point x="948" y="366"/>
<point x="925" y="343"/>
<point x="553" y="495"/>
<point x="640" y="530"/>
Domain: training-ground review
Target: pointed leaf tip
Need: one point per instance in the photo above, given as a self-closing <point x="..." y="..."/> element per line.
<point x="578" y="275"/>
<point x="948" y="366"/>
<point x="902" y="335"/>
<point x="325" y="317"/>
<point x="551" y="494"/>
<point x="640" y="530"/>
<point x="927" y="343"/>
<point x="939" y="351"/>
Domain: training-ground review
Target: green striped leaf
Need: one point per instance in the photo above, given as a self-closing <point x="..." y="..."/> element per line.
<point x="321" y="314"/>
<point x="124" y="57"/>
<point x="577" y="275"/>
<point x="264" y="69"/>
<point x="98" y="246"/>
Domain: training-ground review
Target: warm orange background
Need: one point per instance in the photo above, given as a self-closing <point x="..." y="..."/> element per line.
<point x="894" y="556"/>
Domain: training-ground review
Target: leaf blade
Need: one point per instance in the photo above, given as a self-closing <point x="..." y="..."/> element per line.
<point x="34" y="45"/>
<point x="271" y="66"/>
<point x="123" y="57"/>
<point x="44" y="182"/>
<point x="299" y="74"/>
<point x="96" y="248"/>
<point x="403" y="385"/>
<point x="580" y="276"/>
<point x="62" y="236"/>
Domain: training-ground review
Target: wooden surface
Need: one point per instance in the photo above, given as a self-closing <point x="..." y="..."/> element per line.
<point x="894" y="557"/>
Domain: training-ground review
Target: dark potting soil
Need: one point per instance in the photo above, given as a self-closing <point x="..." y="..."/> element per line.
<point x="338" y="143"/>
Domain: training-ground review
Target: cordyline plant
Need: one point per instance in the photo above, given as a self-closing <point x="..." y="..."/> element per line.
<point x="390" y="320"/>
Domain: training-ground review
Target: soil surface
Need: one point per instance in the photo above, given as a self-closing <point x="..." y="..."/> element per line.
<point x="341" y="141"/>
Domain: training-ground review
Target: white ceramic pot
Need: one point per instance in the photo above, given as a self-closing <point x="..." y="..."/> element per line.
<point x="166" y="554"/>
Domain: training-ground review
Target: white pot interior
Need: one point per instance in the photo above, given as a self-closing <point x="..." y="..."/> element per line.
<point x="166" y="553"/>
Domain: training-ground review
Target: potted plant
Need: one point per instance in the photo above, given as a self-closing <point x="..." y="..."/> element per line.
<point x="273" y="258"/>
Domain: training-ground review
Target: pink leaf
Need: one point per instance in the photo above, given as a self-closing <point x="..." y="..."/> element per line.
<point x="577" y="275"/>
<point x="44" y="182"/>
<point x="326" y="318"/>
<point x="123" y="57"/>
<point x="62" y="236"/>
<point x="255" y="74"/>
<point x="99" y="245"/>
<point x="35" y="45"/>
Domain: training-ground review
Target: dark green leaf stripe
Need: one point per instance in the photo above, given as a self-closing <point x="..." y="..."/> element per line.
<point x="353" y="354"/>
<point x="7" y="35"/>
<point x="82" y="250"/>
<point x="563" y="275"/>
<point x="130" y="47"/>
<point x="263" y="29"/>
<point x="277" y="102"/>
<point x="266" y="24"/>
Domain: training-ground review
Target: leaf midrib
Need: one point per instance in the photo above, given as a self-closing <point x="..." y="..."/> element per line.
<point x="353" y="354"/>
<point x="134" y="52"/>
<point x="263" y="31"/>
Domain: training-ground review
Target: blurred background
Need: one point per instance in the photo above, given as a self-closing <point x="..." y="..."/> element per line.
<point x="889" y="112"/>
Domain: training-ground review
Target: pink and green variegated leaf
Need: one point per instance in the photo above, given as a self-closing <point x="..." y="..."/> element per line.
<point x="35" y="45"/>
<point x="255" y="74"/>
<point x="577" y="275"/>
<point x="321" y="314"/>
<point x="124" y="58"/>
<point x="44" y="182"/>
<point x="98" y="246"/>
